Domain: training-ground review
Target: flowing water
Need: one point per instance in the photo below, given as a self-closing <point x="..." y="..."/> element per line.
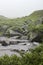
<point x="15" y="48"/>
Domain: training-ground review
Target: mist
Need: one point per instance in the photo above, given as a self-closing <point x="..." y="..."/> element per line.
<point x="19" y="8"/>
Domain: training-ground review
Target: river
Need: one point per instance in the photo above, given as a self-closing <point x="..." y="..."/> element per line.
<point x="15" y="48"/>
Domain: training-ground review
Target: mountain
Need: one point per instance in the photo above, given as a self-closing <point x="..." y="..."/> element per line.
<point x="3" y="17"/>
<point x="36" y="15"/>
<point x="31" y="26"/>
<point x="18" y="22"/>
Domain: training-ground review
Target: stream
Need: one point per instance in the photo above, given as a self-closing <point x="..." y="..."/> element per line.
<point x="16" y="48"/>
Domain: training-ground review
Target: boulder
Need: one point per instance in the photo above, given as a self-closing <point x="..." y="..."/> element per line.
<point x="24" y="38"/>
<point x="12" y="33"/>
<point x="37" y="38"/>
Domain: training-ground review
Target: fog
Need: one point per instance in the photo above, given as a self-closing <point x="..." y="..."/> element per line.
<point x="19" y="8"/>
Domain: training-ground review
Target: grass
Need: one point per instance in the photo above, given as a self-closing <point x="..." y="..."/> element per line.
<point x="19" y="22"/>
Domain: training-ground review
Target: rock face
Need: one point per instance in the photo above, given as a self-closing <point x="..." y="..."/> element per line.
<point x="36" y="37"/>
<point x="12" y="33"/>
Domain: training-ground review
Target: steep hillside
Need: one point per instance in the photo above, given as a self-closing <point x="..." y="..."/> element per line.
<point x="20" y="21"/>
<point x="36" y="15"/>
<point x="24" y="24"/>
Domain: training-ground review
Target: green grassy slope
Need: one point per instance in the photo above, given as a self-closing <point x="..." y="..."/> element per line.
<point x="18" y="22"/>
<point x="36" y="15"/>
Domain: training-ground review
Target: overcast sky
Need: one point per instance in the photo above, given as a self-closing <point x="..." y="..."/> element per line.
<point x="19" y="8"/>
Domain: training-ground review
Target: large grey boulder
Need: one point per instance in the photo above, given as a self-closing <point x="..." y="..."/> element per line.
<point x="36" y="37"/>
<point x="4" y="41"/>
<point x="12" y="33"/>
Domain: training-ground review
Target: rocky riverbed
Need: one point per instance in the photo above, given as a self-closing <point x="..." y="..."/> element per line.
<point x="15" y="46"/>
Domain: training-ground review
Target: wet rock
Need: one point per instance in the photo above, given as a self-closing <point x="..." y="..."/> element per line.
<point x="22" y="51"/>
<point x="12" y="42"/>
<point x="4" y="43"/>
<point x="24" y="37"/>
<point x="15" y="50"/>
<point x="35" y="43"/>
